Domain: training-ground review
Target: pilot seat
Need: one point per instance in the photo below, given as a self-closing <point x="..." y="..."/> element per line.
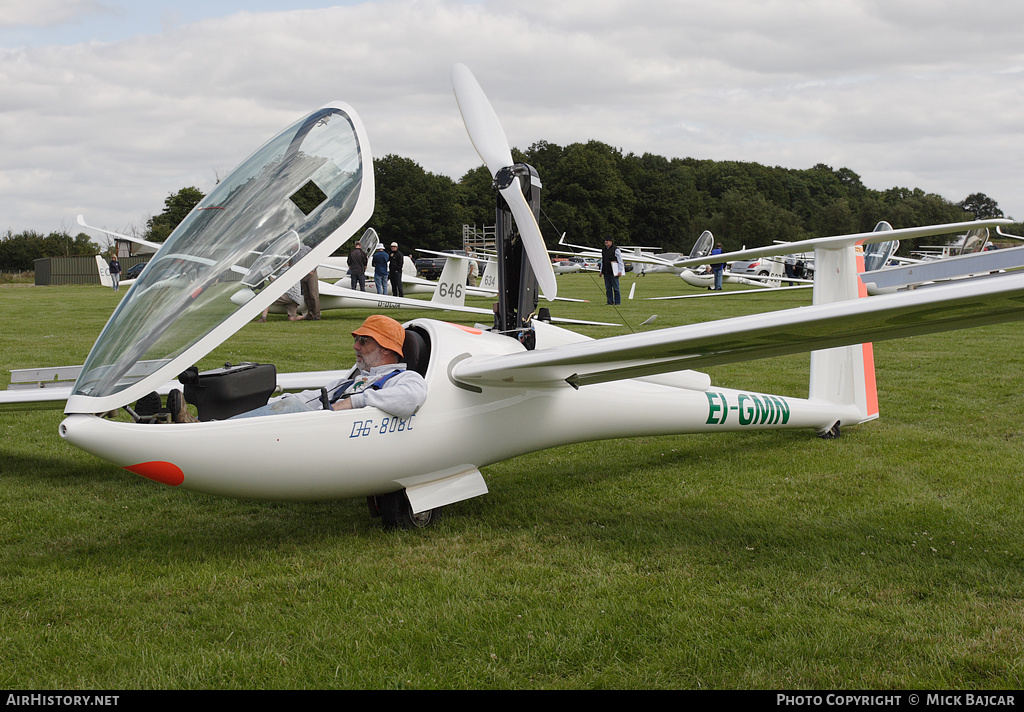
<point x="223" y="392"/>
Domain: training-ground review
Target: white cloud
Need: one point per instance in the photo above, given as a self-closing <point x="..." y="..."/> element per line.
<point x="911" y="94"/>
<point x="47" y="13"/>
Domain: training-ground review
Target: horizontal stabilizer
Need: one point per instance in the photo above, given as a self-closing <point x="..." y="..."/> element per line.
<point x="976" y="263"/>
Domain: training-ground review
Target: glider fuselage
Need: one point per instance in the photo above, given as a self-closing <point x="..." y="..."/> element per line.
<point x="328" y="455"/>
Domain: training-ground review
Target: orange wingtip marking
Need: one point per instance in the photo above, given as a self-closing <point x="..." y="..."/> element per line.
<point x="468" y="329"/>
<point x="164" y="472"/>
<point x="870" y="385"/>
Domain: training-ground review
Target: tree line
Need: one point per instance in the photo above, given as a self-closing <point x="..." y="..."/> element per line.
<point x="592" y="190"/>
<point x="18" y="252"/>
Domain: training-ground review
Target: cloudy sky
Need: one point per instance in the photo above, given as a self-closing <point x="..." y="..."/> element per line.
<point x="108" y="106"/>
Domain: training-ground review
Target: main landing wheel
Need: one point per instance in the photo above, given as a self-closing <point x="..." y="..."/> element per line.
<point x="396" y="512"/>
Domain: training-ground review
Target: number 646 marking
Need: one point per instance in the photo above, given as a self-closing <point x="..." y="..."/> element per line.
<point x="449" y="290"/>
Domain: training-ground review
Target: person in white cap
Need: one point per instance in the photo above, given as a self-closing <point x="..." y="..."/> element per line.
<point x="380" y="269"/>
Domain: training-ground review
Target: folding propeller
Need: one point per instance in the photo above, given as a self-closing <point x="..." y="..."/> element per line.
<point x="489" y="139"/>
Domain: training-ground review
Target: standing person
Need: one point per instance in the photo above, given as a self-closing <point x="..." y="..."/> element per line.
<point x="396" y="263"/>
<point x="115" y="273"/>
<point x="310" y="288"/>
<point x="472" y="273"/>
<point x="790" y="263"/>
<point x="611" y="267"/>
<point x="717" y="269"/>
<point x="357" y="267"/>
<point x="380" y="269"/>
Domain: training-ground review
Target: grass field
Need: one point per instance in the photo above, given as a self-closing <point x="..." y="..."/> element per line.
<point x="892" y="558"/>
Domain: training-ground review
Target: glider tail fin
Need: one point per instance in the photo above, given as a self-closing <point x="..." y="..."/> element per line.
<point x="490" y="276"/>
<point x="104" y="270"/>
<point x="451" y="287"/>
<point x="844" y="375"/>
<point x="776" y="273"/>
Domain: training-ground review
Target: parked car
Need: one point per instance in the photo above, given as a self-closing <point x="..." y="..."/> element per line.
<point x="134" y="271"/>
<point x="762" y="266"/>
<point x="757" y="266"/>
<point x="431" y="266"/>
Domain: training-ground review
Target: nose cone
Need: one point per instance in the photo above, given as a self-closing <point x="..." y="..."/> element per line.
<point x="103" y="438"/>
<point x="242" y="296"/>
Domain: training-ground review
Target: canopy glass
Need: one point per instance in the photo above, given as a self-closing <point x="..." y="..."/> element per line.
<point x="297" y="191"/>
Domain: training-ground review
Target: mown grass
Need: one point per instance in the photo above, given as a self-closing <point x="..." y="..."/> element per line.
<point x="888" y="559"/>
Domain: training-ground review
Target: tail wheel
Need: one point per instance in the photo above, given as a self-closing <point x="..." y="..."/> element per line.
<point x="396" y="512"/>
<point x="830" y="434"/>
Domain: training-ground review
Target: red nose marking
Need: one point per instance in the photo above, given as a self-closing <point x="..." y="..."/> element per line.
<point x="164" y="472"/>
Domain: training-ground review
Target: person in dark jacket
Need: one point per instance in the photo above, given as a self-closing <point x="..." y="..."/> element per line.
<point x="380" y="270"/>
<point x="718" y="268"/>
<point x="357" y="267"/>
<point x="115" y="273"/>
<point x="396" y="262"/>
<point x="612" y="268"/>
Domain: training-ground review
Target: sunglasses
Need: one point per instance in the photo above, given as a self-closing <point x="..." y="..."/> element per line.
<point x="363" y="340"/>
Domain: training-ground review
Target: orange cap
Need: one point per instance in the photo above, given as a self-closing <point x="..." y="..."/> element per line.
<point x="384" y="330"/>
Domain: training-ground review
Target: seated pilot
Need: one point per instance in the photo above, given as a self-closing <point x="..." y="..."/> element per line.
<point x="381" y="380"/>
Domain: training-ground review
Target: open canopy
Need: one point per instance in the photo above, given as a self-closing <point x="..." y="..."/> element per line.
<point x="310" y="186"/>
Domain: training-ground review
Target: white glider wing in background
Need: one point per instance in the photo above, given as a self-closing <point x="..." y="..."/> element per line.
<point x="840" y="241"/>
<point x="953" y="306"/>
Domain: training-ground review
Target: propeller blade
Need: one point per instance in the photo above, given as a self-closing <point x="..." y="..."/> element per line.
<point x="485" y="130"/>
<point x="489" y="140"/>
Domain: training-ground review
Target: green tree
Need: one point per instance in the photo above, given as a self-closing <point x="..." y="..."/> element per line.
<point x="748" y="220"/>
<point x="834" y="218"/>
<point x="477" y="196"/>
<point x="18" y="252"/>
<point x="981" y="206"/>
<point x="417" y="209"/>
<point x="586" y="197"/>
<point x="177" y="206"/>
<point x="667" y="203"/>
<point x="62" y="244"/>
<point x="906" y="207"/>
